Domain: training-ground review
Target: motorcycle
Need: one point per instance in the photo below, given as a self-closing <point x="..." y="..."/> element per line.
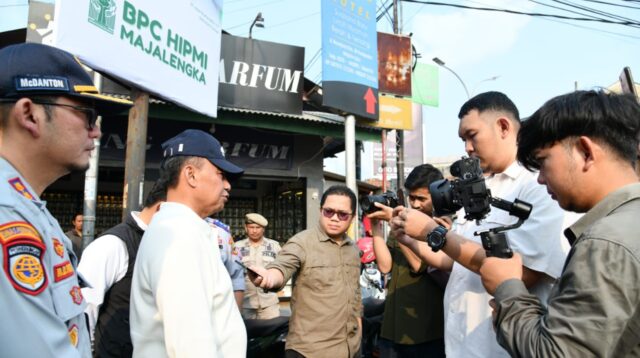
<point x="373" y="295"/>
<point x="266" y="337"/>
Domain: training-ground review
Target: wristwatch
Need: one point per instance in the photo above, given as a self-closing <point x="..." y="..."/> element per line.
<point x="437" y="238"/>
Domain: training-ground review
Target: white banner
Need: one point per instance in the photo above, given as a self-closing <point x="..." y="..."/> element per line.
<point x="171" y="49"/>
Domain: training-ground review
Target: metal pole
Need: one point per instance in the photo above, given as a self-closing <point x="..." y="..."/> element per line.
<point x="399" y="133"/>
<point x="136" y="150"/>
<point x="91" y="182"/>
<point x="350" y="157"/>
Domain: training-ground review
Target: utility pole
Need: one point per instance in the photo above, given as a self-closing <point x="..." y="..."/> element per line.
<point x="399" y="133"/>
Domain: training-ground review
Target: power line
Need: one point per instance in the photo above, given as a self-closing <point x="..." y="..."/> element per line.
<point x="595" y="11"/>
<point x="625" y="23"/>
<point x="612" y="4"/>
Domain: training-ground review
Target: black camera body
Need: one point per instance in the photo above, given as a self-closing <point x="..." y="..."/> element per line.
<point x="389" y="199"/>
<point x="470" y="192"/>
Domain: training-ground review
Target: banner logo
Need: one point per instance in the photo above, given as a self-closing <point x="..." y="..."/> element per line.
<point x="102" y="13"/>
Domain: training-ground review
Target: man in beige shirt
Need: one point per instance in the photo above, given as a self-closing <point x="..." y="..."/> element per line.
<point x="326" y="304"/>
<point x="257" y="250"/>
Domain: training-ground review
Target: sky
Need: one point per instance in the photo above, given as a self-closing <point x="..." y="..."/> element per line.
<point x="534" y="58"/>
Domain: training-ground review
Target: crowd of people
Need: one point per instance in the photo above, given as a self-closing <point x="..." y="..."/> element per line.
<point x="170" y="282"/>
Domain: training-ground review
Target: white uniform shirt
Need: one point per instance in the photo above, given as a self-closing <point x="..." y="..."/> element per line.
<point x="104" y="262"/>
<point x="182" y="303"/>
<point x="468" y="326"/>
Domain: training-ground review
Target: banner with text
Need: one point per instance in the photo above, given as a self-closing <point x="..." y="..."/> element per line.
<point x="350" y="56"/>
<point x="170" y="49"/>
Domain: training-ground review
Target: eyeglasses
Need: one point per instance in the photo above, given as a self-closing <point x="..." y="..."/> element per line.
<point x="90" y="113"/>
<point x="329" y="213"/>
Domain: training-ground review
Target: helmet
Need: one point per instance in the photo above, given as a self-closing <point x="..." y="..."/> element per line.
<point x="366" y="250"/>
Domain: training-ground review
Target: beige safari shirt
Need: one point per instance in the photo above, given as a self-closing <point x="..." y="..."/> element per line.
<point x="261" y="255"/>
<point x="326" y="302"/>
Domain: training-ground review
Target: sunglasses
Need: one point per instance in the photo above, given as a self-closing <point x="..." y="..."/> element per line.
<point x="89" y="113"/>
<point x="329" y="213"/>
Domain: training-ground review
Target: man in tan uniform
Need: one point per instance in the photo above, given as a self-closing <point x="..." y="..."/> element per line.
<point x="260" y="251"/>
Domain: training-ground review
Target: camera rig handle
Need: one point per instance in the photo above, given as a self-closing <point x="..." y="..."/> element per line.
<point x="494" y="240"/>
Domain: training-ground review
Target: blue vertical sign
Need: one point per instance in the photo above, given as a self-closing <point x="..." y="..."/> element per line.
<point x="350" y="56"/>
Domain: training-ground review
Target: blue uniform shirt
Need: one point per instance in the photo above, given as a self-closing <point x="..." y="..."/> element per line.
<point x="229" y="254"/>
<point x="41" y="314"/>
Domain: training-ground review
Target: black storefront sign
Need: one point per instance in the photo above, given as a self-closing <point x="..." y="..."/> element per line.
<point x="260" y="75"/>
<point x="245" y="147"/>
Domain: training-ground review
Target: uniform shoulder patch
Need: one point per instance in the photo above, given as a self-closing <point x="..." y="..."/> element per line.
<point x="19" y="186"/>
<point x="76" y="295"/>
<point x="23" y="251"/>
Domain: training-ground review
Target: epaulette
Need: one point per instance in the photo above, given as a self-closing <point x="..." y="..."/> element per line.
<point x="222" y="225"/>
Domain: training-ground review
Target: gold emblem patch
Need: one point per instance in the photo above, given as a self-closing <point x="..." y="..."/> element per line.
<point x="58" y="247"/>
<point x="73" y="335"/>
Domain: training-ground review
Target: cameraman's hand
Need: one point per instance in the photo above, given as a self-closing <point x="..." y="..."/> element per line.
<point x="385" y="213"/>
<point x="411" y="222"/>
<point x="494" y="271"/>
<point x="444" y="221"/>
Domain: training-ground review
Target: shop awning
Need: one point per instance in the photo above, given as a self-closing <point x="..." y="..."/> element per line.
<point x="310" y="122"/>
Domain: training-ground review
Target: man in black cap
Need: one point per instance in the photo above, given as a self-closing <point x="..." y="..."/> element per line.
<point x="48" y="109"/>
<point x="182" y="302"/>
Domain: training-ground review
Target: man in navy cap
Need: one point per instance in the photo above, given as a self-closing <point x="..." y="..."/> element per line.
<point x="48" y="109"/>
<point x="182" y="302"/>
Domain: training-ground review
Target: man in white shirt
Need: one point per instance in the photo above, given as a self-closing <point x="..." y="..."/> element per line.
<point x="182" y="303"/>
<point x="108" y="265"/>
<point x="489" y="125"/>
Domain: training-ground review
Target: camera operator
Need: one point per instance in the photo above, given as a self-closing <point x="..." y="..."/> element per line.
<point x="413" y="321"/>
<point x="584" y="145"/>
<point x="489" y="123"/>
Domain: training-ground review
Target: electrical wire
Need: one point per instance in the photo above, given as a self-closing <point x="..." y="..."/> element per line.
<point x="625" y="23"/>
<point x="612" y="4"/>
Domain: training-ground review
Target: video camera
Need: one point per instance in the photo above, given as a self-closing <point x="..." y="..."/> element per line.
<point x="470" y="192"/>
<point x="389" y="199"/>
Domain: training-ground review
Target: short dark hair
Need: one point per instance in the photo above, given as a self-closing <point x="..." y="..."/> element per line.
<point x="490" y="101"/>
<point x="158" y="193"/>
<point x="171" y="167"/>
<point x="76" y="214"/>
<point x="340" y="190"/>
<point x="422" y="176"/>
<point x="610" y="119"/>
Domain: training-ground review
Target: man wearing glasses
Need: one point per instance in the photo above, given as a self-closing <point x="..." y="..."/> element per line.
<point x="326" y="304"/>
<point x="48" y="107"/>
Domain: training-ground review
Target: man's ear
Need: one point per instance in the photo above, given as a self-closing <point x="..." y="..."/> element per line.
<point x="29" y="117"/>
<point x="589" y="151"/>
<point x="504" y="126"/>
<point x="190" y="175"/>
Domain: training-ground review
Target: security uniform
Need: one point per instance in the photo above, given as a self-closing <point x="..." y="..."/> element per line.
<point x="257" y="303"/>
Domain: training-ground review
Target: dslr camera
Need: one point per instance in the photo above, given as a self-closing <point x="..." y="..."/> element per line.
<point x="389" y="199"/>
<point x="470" y="192"/>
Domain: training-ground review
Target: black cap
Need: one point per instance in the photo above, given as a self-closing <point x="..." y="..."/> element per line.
<point x="197" y="143"/>
<point x="34" y="69"/>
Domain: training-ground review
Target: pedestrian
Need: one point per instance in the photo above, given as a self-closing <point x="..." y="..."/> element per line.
<point x="182" y="302"/>
<point x="75" y="235"/>
<point x="326" y="301"/>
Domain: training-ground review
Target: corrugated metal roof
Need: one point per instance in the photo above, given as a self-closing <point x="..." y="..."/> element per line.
<point x="314" y="116"/>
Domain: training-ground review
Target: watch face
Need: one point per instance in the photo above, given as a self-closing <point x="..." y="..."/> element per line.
<point x="435" y="240"/>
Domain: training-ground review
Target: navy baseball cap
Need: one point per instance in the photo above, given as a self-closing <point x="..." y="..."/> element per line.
<point x="197" y="143"/>
<point x="34" y="69"/>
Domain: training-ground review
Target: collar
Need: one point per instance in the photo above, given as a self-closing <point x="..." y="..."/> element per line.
<point x="136" y="217"/>
<point x="605" y="207"/>
<point x="513" y="171"/>
<point x="322" y="236"/>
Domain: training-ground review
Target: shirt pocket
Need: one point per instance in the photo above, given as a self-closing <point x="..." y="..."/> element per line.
<point x="322" y="276"/>
<point x="68" y="301"/>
